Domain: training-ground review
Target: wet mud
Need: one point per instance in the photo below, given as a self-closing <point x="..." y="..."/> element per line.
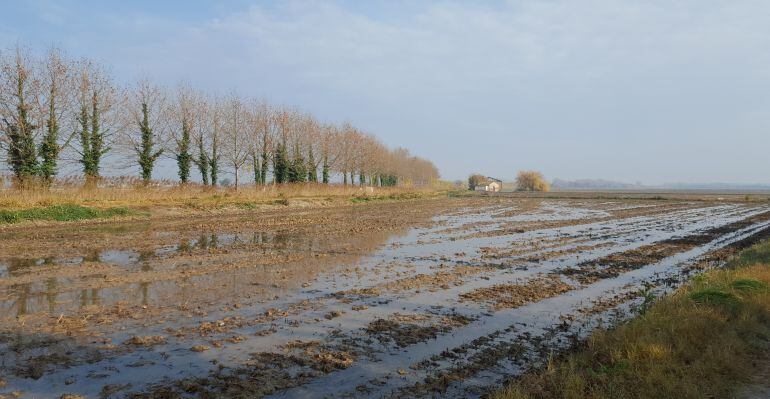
<point x="447" y="297"/>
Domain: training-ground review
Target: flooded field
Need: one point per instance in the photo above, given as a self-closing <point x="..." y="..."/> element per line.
<point x="444" y="297"/>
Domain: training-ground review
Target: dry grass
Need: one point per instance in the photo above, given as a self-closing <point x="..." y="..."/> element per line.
<point x="195" y="196"/>
<point x="700" y="342"/>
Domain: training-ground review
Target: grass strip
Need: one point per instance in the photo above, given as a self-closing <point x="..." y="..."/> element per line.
<point x="702" y="341"/>
<point x="391" y="197"/>
<point x="61" y="213"/>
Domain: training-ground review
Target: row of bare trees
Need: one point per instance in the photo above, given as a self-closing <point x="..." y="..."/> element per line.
<point x="54" y="109"/>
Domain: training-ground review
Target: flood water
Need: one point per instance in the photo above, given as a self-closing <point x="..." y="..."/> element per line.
<point x="452" y="300"/>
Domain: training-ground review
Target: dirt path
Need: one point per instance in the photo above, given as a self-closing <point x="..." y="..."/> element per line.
<point x="402" y="299"/>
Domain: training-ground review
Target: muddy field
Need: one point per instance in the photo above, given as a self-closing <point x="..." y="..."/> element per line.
<point x="444" y="297"/>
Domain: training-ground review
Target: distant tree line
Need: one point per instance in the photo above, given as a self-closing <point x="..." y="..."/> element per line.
<point x="54" y="108"/>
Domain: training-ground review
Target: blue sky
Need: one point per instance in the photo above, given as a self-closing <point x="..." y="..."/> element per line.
<point x="653" y="91"/>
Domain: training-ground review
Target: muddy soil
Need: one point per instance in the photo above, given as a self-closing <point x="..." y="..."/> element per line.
<point x="445" y="297"/>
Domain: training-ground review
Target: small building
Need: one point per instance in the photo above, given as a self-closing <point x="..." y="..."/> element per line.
<point x="492" y="184"/>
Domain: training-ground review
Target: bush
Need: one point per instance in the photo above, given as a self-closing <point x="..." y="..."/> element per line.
<point x="530" y="180"/>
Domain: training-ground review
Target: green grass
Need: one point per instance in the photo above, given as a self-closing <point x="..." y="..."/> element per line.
<point x="714" y="296"/>
<point x="61" y="213"/>
<point x="460" y="193"/>
<point x="358" y="199"/>
<point x="759" y="253"/>
<point x="748" y="284"/>
<point x="702" y="341"/>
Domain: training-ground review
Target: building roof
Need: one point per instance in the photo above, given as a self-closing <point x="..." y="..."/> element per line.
<point x="493" y="179"/>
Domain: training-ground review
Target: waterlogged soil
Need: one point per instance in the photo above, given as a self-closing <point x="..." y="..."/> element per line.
<point x="443" y="297"/>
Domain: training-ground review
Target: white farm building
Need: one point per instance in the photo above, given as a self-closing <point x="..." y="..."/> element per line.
<point x="492" y="184"/>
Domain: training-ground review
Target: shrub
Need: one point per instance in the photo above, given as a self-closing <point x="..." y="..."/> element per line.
<point x="531" y="180"/>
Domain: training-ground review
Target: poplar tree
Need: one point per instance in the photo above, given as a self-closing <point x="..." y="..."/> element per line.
<point x="280" y="164"/>
<point x="265" y="156"/>
<point x="57" y="79"/>
<point x="22" y="154"/>
<point x="202" y="162"/>
<point x="92" y="136"/>
<point x="255" y="165"/>
<point x="325" y="170"/>
<point x="85" y="138"/>
<point x="312" y="171"/>
<point x="183" y="156"/>
<point x="301" y="168"/>
<point x="297" y="171"/>
<point x="214" y="162"/>
<point x="49" y="147"/>
<point x="146" y="148"/>
<point x="98" y="148"/>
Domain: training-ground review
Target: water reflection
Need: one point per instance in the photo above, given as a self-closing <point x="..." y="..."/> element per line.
<point x="89" y="297"/>
<point x="67" y="283"/>
<point x="52" y="288"/>
<point x="145" y="257"/>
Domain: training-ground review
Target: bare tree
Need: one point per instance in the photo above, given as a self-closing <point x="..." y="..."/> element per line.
<point x="236" y="137"/>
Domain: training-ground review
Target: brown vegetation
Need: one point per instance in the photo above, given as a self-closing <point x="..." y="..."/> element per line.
<point x="197" y="197"/>
<point x="530" y="180"/>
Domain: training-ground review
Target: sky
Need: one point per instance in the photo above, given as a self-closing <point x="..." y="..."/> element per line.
<point x="636" y="91"/>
